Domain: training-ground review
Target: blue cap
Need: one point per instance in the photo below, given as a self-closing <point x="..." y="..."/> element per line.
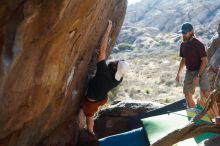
<point x="186" y="27"/>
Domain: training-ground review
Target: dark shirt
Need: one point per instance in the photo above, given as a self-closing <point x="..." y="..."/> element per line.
<point x="192" y="51"/>
<point x="103" y="81"/>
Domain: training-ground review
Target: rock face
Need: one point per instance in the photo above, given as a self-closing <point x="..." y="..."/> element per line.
<point x="214" y="59"/>
<point x="121" y="117"/>
<point x="46" y="48"/>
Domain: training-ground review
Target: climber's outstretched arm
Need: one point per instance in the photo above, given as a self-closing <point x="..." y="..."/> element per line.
<point x="104" y="43"/>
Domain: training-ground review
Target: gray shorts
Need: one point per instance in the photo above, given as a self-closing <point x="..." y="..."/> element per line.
<point x="188" y="86"/>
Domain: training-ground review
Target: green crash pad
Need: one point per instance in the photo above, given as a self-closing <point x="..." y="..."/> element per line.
<point x="159" y="126"/>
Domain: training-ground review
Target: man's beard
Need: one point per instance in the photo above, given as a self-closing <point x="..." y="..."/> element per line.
<point x="185" y="39"/>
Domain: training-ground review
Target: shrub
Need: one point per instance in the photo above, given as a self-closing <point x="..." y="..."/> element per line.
<point x="164" y="101"/>
<point x="147" y="91"/>
<point x="174" y="57"/>
<point x="164" y="43"/>
<point x="200" y="33"/>
<point x="125" y="46"/>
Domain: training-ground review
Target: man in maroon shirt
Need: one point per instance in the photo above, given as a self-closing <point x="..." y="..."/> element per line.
<point x="194" y="57"/>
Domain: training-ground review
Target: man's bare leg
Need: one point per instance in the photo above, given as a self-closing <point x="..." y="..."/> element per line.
<point x="90" y="124"/>
<point x="189" y="100"/>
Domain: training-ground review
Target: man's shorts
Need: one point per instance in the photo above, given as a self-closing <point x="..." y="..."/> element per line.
<point x="91" y="107"/>
<point x="189" y="87"/>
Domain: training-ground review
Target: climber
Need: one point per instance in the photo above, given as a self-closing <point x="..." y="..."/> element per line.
<point x="106" y="78"/>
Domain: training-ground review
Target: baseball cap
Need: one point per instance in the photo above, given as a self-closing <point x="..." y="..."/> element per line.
<point x="186" y="27"/>
<point x="122" y="69"/>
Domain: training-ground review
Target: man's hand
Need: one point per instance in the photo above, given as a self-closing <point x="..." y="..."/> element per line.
<point x="196" y="80"/>
<point x="177" y="78"/>
<point x="181" y="66"/>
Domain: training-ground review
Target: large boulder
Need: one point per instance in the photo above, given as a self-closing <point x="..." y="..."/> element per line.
<point x="121" y="117"/>
<point x="213" y="53"/>
<point x="46" y="50"/>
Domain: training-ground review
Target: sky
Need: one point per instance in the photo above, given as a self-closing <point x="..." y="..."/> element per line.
<point x="132" y="1"/>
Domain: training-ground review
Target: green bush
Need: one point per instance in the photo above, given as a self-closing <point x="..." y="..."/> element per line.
<point x="147" y="91"/>
<point x="200" y="33"/>
<point x="125" y="46"/>
<point x="174" y="57"/>
<point x="163" y="43"/>
<point x="164" y="101"/>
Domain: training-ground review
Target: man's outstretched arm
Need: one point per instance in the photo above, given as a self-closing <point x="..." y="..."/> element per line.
<point x="104" y="43"/>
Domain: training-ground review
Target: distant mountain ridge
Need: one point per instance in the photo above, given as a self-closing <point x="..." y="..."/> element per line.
<point x="168" y="15"/>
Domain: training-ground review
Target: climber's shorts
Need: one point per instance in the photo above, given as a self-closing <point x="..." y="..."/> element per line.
<point x="91" y="107"/>
<point x="189" y="87"/>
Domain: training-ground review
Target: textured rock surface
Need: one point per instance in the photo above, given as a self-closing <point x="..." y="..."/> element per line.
<point x="214" y="59"/>
<point x="46" y="48"/>
<point x="121" y="117"/>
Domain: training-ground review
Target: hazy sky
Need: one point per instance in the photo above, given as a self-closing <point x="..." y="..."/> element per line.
<point x="132" y="1"/>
